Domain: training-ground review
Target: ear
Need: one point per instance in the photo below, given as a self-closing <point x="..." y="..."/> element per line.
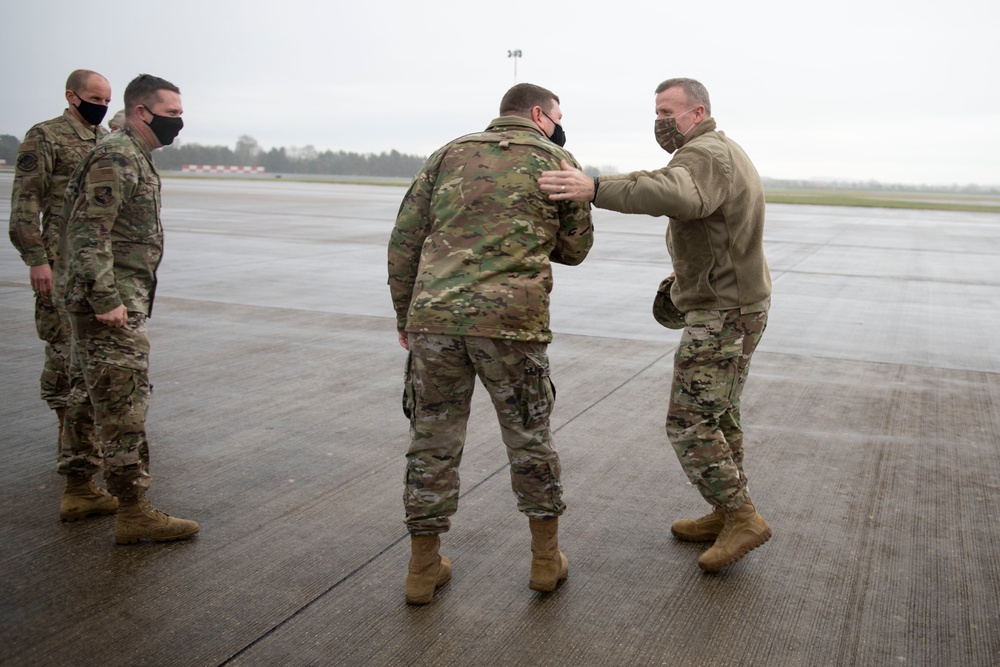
<point x="69" y="96"/>
<point x="536" y="117"/>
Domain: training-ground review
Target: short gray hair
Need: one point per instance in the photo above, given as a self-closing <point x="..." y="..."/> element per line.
<point x="694" y="90"/>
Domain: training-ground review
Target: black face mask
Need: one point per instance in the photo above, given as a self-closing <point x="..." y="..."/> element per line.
<point x="558" y="136"/>
<point x="166" y="128"/>
<point x="92" y="113"/>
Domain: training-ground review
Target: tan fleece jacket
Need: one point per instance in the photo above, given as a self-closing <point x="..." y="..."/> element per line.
<point x="715" y="201"/>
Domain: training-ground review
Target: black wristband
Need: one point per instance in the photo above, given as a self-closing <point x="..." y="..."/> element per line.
<point x="597" y="182"/>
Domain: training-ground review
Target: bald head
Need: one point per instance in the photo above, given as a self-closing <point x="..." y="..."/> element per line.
<point x="80" y="79"/>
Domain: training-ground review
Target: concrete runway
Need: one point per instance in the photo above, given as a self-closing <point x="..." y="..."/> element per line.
<point x="871" y="413"/>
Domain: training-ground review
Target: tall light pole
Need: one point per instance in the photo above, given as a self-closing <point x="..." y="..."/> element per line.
<point x="515" y="54"/>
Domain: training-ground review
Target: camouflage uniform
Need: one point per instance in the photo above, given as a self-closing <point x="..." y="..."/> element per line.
<point x="703" y="421"/>
<point x="470" y="275"/>
<point x="46" y="159"/>
<point x="113" y="240"/>
<point x="715" y="201"/>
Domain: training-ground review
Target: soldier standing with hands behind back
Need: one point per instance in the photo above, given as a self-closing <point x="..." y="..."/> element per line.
<point x="46" y="159"/>
<point x="113" y="241"/>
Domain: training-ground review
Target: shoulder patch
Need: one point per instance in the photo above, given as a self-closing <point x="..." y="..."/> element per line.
<point x="103" y="196"/>
<point x="27" y="161"/>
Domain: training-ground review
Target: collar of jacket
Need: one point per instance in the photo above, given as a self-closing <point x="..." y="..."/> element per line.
<point x="702" y="128"/>
<point x="513" y="123"/>
<point x="138" y="140"/>
<point x="82" y="131"/>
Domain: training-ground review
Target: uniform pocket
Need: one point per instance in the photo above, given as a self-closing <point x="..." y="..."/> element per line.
<point x="127" y="347"/>
<point x="48" y="322"/>
<point x="708" y="362"/>
<point x="538" y="393"/>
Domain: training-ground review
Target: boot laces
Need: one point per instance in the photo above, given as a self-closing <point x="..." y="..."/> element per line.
<point x="153" y="512"/>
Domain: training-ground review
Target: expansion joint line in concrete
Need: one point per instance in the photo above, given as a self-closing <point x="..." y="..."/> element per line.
<point x="403" y="538"/>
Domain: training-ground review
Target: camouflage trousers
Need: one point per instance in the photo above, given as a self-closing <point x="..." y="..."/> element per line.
<point x="52" y="324"/>
<point x="703" y="421"/>
<point x="109" y="395"/>
<point x="438" y="384"/>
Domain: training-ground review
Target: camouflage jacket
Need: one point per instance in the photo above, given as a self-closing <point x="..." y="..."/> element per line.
<point x="471" y="250"/>
<point x="45" y="161"/>
<point x="715" y="201"/>
<point x="112" y="239"/>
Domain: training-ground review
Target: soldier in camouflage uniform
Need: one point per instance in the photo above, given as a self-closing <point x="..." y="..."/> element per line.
<point x="46" y="159"/>
<point x="715" y="201"/>
<point x="113" y="241"/>
<point x="470" y="276"/>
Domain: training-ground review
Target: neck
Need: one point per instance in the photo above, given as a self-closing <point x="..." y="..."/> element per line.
<point x="143" y="132"/>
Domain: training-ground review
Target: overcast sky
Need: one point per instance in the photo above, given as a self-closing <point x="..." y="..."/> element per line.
<point x="903" y="92"/>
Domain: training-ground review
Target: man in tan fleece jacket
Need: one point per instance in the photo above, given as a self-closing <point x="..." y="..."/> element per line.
<point x="715" y="202"/>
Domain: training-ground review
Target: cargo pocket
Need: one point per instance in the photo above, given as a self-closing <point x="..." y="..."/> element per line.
<point x="707" y="364"/>
<point x="409" y="396"/>
<point x="122" y="393"/>
<point x="538" y="394"/>
<point x="48" y="323"/>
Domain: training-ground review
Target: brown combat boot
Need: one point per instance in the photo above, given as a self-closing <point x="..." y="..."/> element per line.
<point x="743" y="530"/>
<point x="703" y="529"/>
<point x="427" y="569"/>
<point x="82" y="498"/>
<point x="548" y="565"/>
<point x="138" y="520"/>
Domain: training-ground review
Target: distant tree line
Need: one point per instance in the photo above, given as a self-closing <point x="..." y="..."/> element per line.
<point x="308" y="160"/>
<point x="248" y="153"/>
<point x="831" y="184"/>
<point x="8" y="148"/>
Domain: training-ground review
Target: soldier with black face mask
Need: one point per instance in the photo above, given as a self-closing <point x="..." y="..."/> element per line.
<point x="46" y="159"/>
<point x="470" y="273"/>
<point x="113" y="241"/>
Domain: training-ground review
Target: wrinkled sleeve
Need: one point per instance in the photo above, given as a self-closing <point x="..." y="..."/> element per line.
<point x="413" y="224"/>
<point x="689" y="188"/>
<point x="105" y="185"/>
<point x="32" y="178"/>
<point x="576" y="234"/>
<point x="576" y="230"/>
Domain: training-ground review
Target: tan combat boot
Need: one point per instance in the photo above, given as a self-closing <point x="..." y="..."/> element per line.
<point x="702" y="529"/>
<point x="742" y="531"/>
<point x="137" y="520"/>
<point x="548" y="565"/>
<point x="427" y="569"/>
<point x="82" y="498"/>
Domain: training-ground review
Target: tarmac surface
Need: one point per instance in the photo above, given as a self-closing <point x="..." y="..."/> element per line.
<point x="871" y="414"/>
